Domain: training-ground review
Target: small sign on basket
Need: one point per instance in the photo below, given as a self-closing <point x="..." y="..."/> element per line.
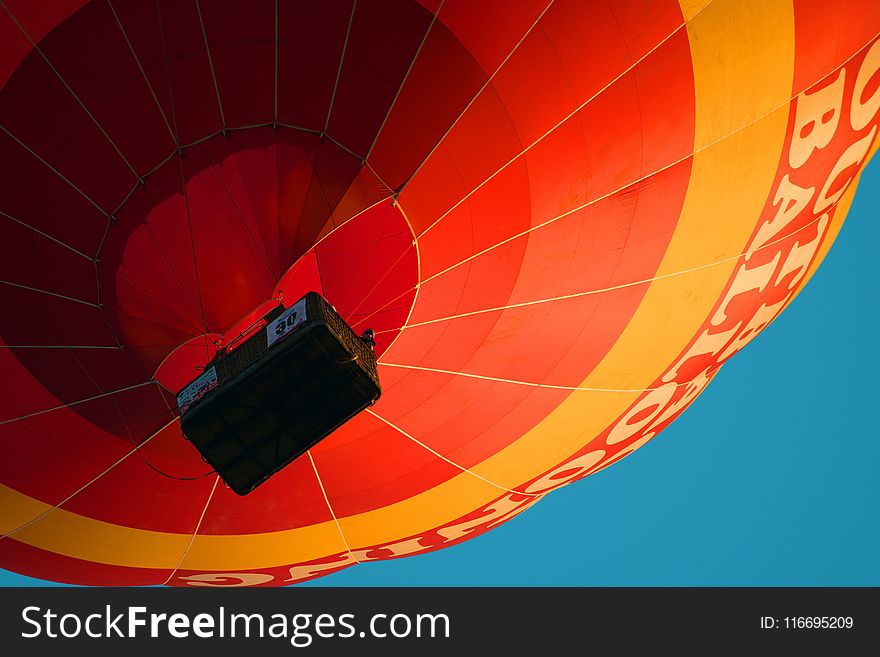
<point x="284" y="324"/>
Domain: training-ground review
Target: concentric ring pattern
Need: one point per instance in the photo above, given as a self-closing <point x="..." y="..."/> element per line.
<point x="560" y="217"/>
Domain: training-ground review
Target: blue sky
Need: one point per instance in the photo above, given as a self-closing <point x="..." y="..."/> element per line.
<point x="768" y="479"/>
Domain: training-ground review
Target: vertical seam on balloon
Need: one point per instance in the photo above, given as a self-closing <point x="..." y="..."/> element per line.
<point x="339" y="68"/>
<point x="418" y="286"/>
<point x="85" y="109"/>
<point x="129" y="194"/>
<point x="641" y="147"/>
<point x="443" y="458"/>
<point x="415" y="243"/>
<point x="167" y="76"/>
<point x="46" y="235"/>
<point x="645" y="177"/>
<point x="549" y="132"/>
<point x="211" y="65"/>
<point x="51" y="294"/>
<point x="314" y="164"/>
<point x="333" y="230"/>
<point x="298" y="128"/>
<point x="81" y="401"/>
<point x="54" y="170"/>
<point x="578" y="124"/>
<point x="275" y="105"/>
<point x="110" y="398"/>
<point x="165" y="160"/>
<point x="97" y="266"/>
<point x="576" y="236"/>
<point x="160" y="386"/>
<point x="333" y="208"/>
<point x="384" y="306"/>
<point x="195" y="532"/>
<point x="112" y="401"/>
<point x="645" y="281"/>
<point x="362" y="160"/>
<point x="200" y="140"/>
<point x="579" y="233"/>
<point x="86" y="485"/>
<point x="179" y="152"/>
<point x="138" y="365"/>
<point x="112" y="218"/>
<point x="529" y="384"/>
<point x="103" y="241"/>
<point x="192" y="241"/>
<point x="330" y="508"/>
<point x="107" y="319"/>
<point x="403" y="81"/>
<point x="168" y="355"/>
<point x="242" y="219"/>
<point x="192" y="302"/>
<point x="474" y="98"/>
<point x="379" y="282"/>
<point x="143" y="73"/>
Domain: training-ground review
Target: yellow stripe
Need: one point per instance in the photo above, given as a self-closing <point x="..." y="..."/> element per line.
<point x="743" y="59"/>
<point x="94" y="540"/>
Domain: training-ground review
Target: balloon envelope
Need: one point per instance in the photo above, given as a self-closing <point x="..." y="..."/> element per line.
<point x="560" y="218"/>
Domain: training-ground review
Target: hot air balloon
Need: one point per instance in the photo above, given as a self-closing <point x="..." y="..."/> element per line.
<point x="560" y="218"/>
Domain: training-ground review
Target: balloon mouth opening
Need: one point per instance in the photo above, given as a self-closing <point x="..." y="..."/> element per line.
<point x="217" y="236"/>
<point x="208" y="243"/>
<point x="378" y="297"/>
